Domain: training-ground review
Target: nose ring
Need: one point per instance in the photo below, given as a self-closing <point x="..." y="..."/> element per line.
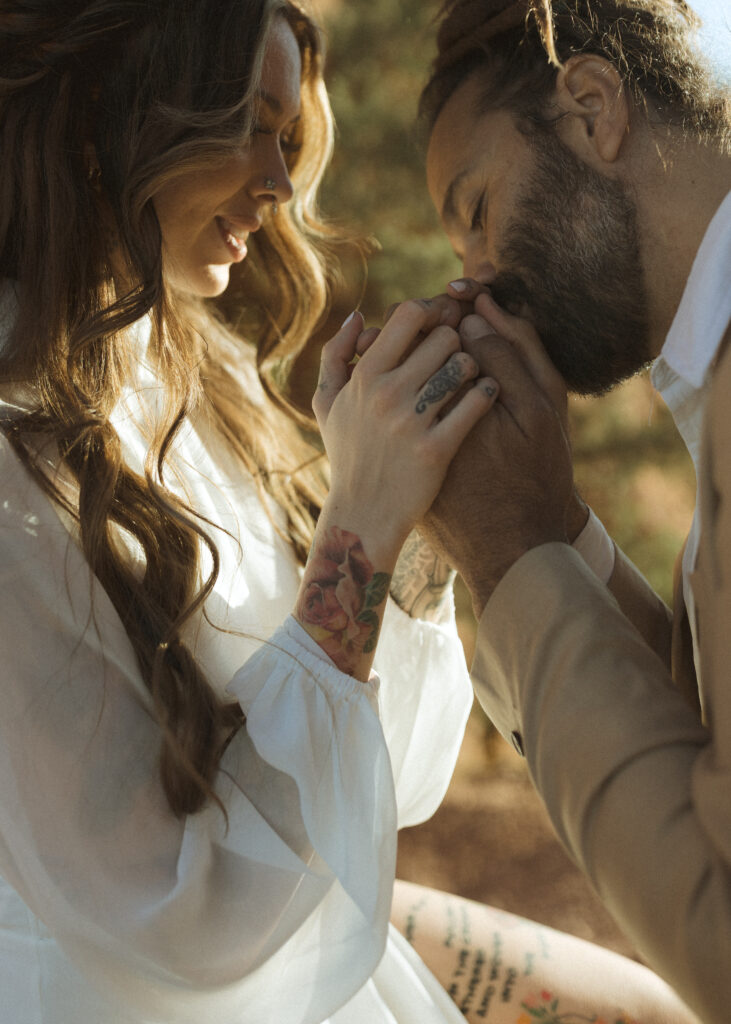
<point x="270" y="184"/>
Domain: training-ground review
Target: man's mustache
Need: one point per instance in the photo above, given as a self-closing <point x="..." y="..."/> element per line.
<point x="510" y="291"/>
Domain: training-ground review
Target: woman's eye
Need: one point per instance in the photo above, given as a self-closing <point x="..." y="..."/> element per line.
<point x="290" y="145"/>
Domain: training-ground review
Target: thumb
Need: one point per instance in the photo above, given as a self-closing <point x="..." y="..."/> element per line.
<point x="520" y="333"/>
<point x="337" y="355"/>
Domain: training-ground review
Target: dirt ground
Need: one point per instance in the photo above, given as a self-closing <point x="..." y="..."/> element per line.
<point x="491" y="840"/>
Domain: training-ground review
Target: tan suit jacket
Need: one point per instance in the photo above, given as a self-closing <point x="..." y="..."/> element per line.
<point x="599" y="689"/>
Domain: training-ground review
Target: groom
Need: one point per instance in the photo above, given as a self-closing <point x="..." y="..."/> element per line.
<point x="580" y="161"/>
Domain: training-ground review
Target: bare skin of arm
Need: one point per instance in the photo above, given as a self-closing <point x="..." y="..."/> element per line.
<point x="503" y="969"/>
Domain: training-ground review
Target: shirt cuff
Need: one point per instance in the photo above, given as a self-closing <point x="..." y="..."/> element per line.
<point x="596" y="548"/>
<point x="297" y="632"/>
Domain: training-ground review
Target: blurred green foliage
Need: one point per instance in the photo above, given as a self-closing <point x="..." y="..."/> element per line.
<point x="630" y="463"/>
<point x="378" y="54"/>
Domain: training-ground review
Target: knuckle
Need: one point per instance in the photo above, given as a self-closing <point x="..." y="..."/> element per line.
<point x="415" y="308"/>
<point x="428" y="452"/>
<point x="464" y="363"/>
<point x="384" y="397"/>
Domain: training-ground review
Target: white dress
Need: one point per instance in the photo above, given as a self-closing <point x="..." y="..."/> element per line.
<point x="112" y="911"/>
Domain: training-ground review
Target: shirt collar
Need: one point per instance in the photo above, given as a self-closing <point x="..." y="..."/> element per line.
<point x="681" y="371"/>
<point x="705" y="308"/>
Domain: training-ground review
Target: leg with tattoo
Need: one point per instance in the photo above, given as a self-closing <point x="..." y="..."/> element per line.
<point x="503" y="969"/>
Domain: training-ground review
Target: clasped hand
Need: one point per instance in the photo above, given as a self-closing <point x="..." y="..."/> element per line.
<point x="510" y="486"/>
<point x="453" y="417"/>
<point x="393" y="410"/>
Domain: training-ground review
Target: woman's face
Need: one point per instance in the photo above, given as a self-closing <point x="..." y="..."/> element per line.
<point x="207" y="216"/>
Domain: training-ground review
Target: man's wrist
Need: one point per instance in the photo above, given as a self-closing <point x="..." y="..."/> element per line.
<point x="482" y="587"/>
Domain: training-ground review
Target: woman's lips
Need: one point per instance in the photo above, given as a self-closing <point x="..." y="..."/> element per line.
<point x="234" y="238"/>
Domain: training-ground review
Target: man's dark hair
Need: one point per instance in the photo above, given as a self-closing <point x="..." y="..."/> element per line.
<point x="520" y="47"/>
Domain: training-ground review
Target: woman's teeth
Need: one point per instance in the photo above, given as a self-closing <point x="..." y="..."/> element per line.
<point x="237" y="240"/>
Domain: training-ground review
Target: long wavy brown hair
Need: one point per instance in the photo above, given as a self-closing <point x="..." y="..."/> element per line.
<point x="519" y="46"/>
<point x="156" y="88"/>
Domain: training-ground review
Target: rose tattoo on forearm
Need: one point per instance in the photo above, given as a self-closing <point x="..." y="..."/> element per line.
<point x="341" y="597"/>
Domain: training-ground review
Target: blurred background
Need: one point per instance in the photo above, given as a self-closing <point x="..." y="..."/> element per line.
<point x="491" y="839"/>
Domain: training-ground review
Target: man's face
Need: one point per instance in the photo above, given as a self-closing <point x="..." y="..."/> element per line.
<point x="556" y="241"/>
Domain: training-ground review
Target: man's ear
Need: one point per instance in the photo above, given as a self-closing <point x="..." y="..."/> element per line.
<point x="590" y="90"/>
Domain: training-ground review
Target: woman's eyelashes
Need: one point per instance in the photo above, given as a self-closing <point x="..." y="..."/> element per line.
<point x="288" y="141"/>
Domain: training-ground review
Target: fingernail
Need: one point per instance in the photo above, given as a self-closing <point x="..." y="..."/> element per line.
<point x="458" y="286"/>
<point x="474" y="327"/>
<point x="349" y="319"/>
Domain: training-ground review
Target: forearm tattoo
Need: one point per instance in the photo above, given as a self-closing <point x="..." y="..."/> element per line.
<point x="341" y="599"/>
<point x="422" y="582"/>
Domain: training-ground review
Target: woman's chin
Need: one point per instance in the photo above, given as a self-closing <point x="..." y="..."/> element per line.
<point x="205" y="282"/>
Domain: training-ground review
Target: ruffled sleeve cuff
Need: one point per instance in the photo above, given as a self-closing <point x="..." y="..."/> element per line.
<point x="308" y="719"/>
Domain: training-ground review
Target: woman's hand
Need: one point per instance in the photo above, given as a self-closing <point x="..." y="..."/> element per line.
<point x="380" y="404"/>
<point x="388" y="445"/>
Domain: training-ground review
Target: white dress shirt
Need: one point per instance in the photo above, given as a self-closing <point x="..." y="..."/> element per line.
<point x="681" y="375"/>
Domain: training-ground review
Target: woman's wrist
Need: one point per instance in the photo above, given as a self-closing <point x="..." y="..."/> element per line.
<point x="378" y="530"/>
<point x="344" y="591"/>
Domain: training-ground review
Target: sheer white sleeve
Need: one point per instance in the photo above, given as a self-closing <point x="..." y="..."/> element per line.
<point x="425" y="698"/>
<point x="278" y="913"/>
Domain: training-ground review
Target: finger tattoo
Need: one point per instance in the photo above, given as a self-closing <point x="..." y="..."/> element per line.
<point x="447" y="380"/>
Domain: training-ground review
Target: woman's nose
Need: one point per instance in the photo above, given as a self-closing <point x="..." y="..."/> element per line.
<point x="275" y="183"/>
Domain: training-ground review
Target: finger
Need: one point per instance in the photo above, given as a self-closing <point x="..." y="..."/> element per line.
<point x="452" y="310"/>
<point x="366" y="339"/>
<point x="454" y="427"/>
<point x="496" y="357"/>
<point x="431" y="354"/>
<point x="473" y="331"/>
<point x="525" y="338"/>
<point x="337" y="354"/>
<point x="466" y="289"/>
<point x="520" y="393"/>
<point x="443" y="385"/>
<point x="444" y="310"/>
<point x="398" y="337"/>
<point x="390" y="311"/>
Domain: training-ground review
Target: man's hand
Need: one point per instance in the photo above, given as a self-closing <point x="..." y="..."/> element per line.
<point x="510" y="487"/>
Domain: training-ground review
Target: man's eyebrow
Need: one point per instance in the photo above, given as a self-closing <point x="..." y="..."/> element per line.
<point x="449" y="207"/>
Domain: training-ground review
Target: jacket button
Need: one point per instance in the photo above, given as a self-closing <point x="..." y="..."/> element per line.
<point x="518" y="743"/>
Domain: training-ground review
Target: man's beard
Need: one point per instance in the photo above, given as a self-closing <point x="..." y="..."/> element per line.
<point x="575" y="249"/>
